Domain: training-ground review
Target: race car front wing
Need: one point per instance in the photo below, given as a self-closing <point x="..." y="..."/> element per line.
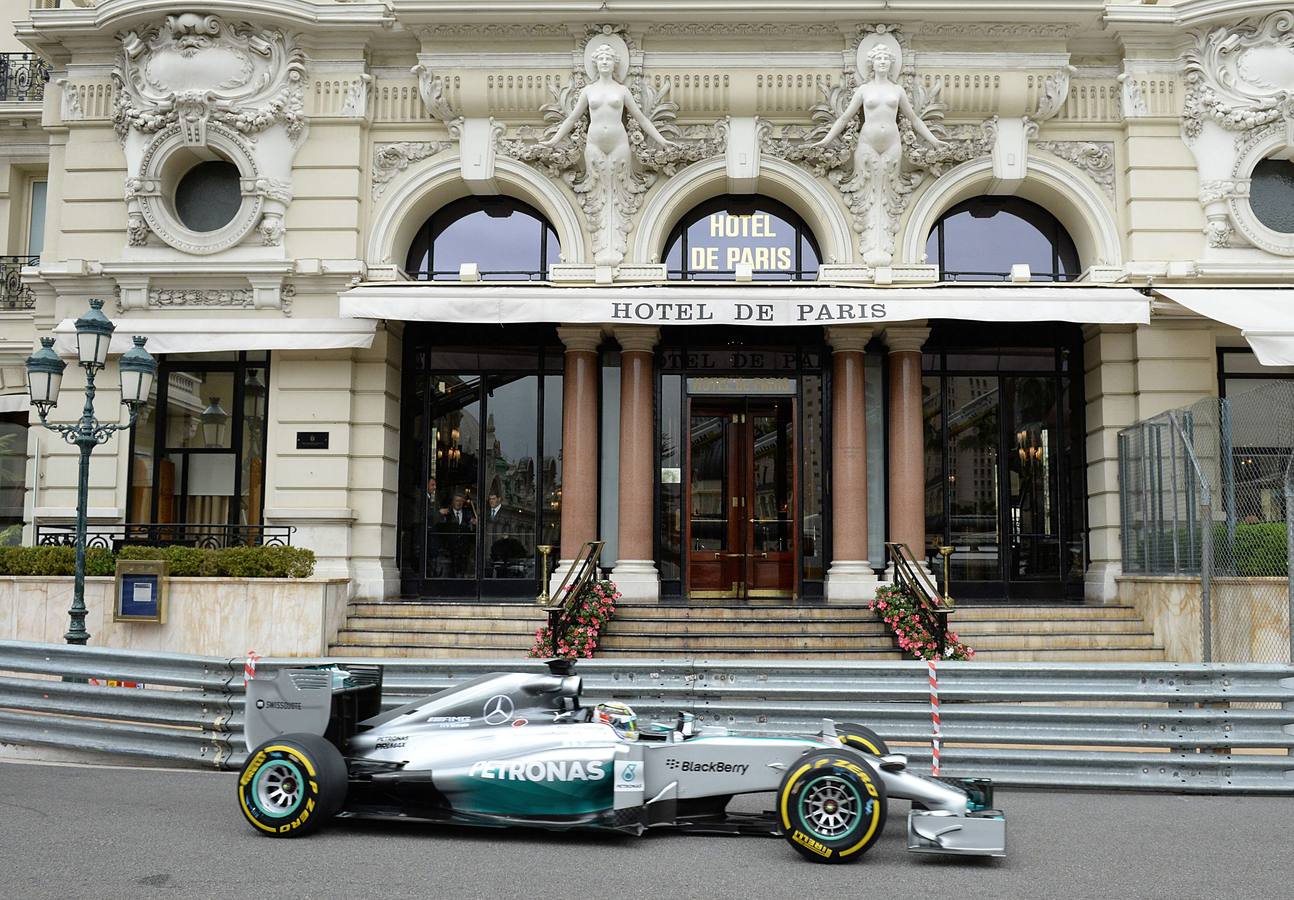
<point x="976" y="834"/>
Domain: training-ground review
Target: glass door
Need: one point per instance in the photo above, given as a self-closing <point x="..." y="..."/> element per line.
<point x="740" y="499"/>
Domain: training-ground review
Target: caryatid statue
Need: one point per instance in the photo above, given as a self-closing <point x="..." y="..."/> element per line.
<point x="876" y="182"/>
<point x="610" y="186"/>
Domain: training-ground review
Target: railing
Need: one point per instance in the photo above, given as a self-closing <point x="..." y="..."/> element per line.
<point x="1154" y="727"/>
<point x="583" y="570"/>
<point x="13" y="293"/>
<point x="22" y="77"/>
<point x="911" y="577"/>
<point x="189" y="534"/>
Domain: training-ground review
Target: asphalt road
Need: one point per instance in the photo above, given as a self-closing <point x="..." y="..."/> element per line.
<point x="106" y="833"/>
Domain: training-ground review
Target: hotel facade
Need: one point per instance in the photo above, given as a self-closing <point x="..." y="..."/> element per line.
<point x="745" y="291"/>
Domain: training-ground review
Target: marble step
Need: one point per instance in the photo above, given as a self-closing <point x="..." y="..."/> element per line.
<point x="483" y="640"/>
<point x="1106" y="655"/>
<point x="700" y="644"/>
<point x="767" y="628"/>
<point x="425" y="624"/>
<point x="1042" y="626"/>
<point x="1144" y="640"/>
<point x="969" y="610"/>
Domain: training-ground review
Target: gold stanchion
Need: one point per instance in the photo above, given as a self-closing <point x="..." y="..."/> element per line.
<point x="544" y="550"/>
<point x="946" y="552"/>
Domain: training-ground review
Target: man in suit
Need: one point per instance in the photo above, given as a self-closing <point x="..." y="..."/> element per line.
<point x="458" y="526"/>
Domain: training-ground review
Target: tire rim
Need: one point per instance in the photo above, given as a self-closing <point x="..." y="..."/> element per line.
<point x="831" y="807"/>
<point x="279" y="788"/>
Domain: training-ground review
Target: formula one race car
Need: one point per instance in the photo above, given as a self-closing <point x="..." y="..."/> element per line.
<point x="521" y="749"/>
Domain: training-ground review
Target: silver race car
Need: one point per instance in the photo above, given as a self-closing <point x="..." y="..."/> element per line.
<point x="521" y="749"/>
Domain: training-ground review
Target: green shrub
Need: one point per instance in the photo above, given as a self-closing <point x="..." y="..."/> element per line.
<point x="185" y="562"/>
<point x="1261" y="549"/>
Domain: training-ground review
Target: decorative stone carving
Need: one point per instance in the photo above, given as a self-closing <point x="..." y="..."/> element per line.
<point x="1095" y="158"/>
<point x="389" y="160"/>
<point x="71" y="102"/>
<point x="207" y="298"/>
<point x="606" y="160"/>
<point x="995" y="31"/>
<point x="877" y="161"/>
<point x="431" y="88"/>
<point x="1241" y="77"/>
<point x="1055" y="91"/>
<point x="197" y="67"/>
<point x="232" y="89"/>
<point x="1132" y="102"/>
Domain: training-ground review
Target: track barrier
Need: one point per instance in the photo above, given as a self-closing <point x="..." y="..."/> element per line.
<point x="1220" y="728"/>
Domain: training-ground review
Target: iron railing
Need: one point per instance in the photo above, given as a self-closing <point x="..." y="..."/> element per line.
<point x="909" y="575"/>
<point x="22" y="77"/>
<point x="188" y="534"/>
<point x="1156" y="727"/>
<point x="13" y="293"/>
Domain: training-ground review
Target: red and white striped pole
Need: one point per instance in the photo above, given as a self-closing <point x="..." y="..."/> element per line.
<point x="249" y="667"/>
<point x="934" y="717"/>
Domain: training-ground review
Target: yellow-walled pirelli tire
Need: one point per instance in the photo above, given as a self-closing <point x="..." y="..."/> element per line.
<point x="864" y="739"/>
<point x="291" y="785"/>
<point x="831" y="806"/>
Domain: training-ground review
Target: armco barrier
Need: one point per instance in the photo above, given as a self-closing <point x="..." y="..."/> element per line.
<point x="1184" y="728"/>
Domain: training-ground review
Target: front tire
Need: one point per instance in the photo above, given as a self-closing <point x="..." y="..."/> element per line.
<point x="864" y="739"/>
<point x="831" y="806"/>
<point x="291" y="785"/>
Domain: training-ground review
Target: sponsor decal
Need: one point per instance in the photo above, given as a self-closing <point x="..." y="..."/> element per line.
<point x="629" y="775"/>
<point x="520" y="723"/>
<point x="449" y="721"/>
<point x="716" y="766"/>
<point x="277" y="704"/>
<point x="816" y="846"/>
<point x="539" y="770"/>
<point x="497" y="710"/>
<point x="866" y="779"/>
<point x="394" y="742"/>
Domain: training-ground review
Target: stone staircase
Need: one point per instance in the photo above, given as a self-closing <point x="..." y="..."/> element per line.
<point x="998" y="633"/>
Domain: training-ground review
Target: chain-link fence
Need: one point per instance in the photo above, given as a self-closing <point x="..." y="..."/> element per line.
<point x="1208" y="491"/>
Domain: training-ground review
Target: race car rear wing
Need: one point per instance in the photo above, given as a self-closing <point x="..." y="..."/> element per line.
<point x="328" y="701"/>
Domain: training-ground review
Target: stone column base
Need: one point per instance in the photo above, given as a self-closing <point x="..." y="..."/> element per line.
<point x="637" y="580"/>
<point x="851" y="581"/>
<point x="1099" y="584"/>
<point x="556" y="575"/>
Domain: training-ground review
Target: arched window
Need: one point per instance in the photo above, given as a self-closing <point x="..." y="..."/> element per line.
<point x="711" y="241"/>
<point x="507" y="239"/>
<point x="982" y="238"/>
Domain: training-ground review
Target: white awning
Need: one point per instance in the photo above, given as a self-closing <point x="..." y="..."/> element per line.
<point x="10" y="403"/>
<point x="174" y="335"/>
<point x="1265" y="316"/>
<point x="760" y="304"/>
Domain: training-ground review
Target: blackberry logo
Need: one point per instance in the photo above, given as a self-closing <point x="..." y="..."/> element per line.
<point x="715" y="766"/>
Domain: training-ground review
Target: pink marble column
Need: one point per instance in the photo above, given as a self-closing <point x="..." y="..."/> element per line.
<point x="635" y="571"/>
<point x="850" y="578"/>
<point x="906" y="464"/>
<point x="580" y="428"/>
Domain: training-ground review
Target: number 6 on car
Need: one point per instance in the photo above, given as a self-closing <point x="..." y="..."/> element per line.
<point x="521" y="749"/>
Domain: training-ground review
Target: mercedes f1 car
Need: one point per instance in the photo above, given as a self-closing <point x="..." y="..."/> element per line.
<point x="521" y="749"/>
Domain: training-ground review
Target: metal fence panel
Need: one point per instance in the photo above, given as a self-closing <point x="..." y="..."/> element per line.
<point x="1143" y="727"/>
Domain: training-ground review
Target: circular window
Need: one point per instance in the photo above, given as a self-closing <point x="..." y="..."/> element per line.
<point x="1271" y="194"/>
<point x="209" y="196"/>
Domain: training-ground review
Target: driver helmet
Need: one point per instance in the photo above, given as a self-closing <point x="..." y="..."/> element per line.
<point x="619" y="716"/>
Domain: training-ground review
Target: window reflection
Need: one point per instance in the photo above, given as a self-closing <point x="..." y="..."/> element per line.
<point x="506" y="239"/>
<point x="982" y="238"/>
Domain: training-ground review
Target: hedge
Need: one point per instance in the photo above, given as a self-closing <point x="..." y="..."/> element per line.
<point x="185" y="562"/>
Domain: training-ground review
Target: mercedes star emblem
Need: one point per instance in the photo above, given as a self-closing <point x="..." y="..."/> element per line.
<point x="498" y="709"/>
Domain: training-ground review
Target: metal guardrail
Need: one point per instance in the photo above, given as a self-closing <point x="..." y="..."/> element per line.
<point x="1168" y="727"/>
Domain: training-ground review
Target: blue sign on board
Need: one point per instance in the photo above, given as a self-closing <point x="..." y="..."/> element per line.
<point x="140" y="597"/>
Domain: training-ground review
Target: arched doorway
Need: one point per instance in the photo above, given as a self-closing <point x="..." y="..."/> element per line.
<point x="481" y="435"/>
<point x="1005" y="463"/>
<point x="741" y="492"/>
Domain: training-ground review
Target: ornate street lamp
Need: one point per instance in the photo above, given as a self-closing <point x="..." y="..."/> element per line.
<point x="45" y="376"/>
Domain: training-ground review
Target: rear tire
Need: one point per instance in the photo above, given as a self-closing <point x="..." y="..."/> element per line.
<point x="831" y="806"/>
<point x="864" y="739"/>
<point x="291" y="785"/>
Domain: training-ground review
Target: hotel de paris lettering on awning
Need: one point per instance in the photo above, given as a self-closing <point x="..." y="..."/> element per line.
<point x="741" y="305"/>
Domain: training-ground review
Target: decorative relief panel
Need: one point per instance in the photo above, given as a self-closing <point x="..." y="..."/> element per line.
<point x="1095" y="158"/>
<point x="781" y="93"/>
<point x="609" y="133"/>
<point x="389" y="160"/>
<point x="875" y="160"/>
<point x="1239" y="110"/>
<point x="199" y="83"/>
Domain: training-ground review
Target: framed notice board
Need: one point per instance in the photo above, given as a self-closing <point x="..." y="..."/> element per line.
<point x="141" y="591"/>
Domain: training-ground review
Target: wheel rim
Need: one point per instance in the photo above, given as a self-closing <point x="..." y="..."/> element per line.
<point x="279" y="787"/>
<point x="830" y="807"/>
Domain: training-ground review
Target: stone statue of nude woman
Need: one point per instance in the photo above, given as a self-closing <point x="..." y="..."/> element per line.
<point x="877" y="158"/>
<point x="609" y="184"/>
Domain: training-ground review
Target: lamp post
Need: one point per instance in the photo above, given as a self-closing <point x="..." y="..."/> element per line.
<point x="45" y="376"/>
